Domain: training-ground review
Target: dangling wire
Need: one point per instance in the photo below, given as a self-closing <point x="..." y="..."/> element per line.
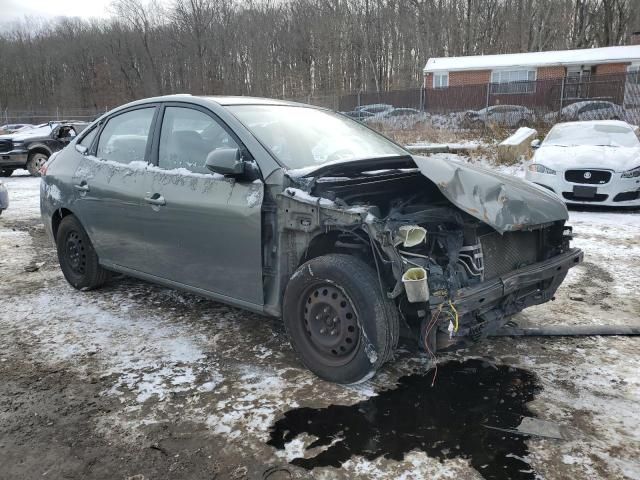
<point x="455" y="316"/>
<point x="429" y="326"/>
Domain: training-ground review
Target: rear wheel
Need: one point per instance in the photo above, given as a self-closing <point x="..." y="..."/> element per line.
<point x="78" y="259"/>
<point x="339" y="322"/>
<point x="35" y="162"/>
<point x="6" y="172"/>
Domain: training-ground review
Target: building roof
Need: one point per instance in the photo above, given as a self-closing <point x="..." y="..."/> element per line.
<point x="587" y="56"/>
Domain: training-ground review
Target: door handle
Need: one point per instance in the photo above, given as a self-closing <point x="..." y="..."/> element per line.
<point x="83" y="187"/>
<point x="155" y="199"/>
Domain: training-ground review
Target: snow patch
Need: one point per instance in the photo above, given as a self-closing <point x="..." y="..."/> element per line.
<point x="305" y="197"/>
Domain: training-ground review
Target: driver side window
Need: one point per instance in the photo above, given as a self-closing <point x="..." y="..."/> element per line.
<point x="187" y="137"/>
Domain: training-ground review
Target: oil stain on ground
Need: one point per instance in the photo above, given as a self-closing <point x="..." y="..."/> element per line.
<point x="468" y="413"/>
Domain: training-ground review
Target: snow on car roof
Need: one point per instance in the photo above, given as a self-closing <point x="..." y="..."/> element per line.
<point x="535" y="59"/>
<point x="576" y="105"/>
<point x="618" y="123"/>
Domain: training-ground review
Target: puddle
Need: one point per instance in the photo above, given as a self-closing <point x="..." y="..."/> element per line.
<point x="448" y="420"/>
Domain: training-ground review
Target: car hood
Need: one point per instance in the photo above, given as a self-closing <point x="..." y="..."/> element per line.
<point x="504" y="202"/>
<point x="28" y="134"/>
<point x="618" y="159"/>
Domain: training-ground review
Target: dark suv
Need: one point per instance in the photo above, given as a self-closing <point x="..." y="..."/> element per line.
<point x="31" y="148"/>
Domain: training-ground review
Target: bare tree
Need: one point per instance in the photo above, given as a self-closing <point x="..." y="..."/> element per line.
<point x="286" y="48"/>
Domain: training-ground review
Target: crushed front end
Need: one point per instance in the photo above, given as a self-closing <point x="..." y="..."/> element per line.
<point x="456" y="273"/>
<point x="476" y="277"/>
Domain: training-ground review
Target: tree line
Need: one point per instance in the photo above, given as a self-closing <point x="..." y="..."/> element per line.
<point x="281" y="48"/>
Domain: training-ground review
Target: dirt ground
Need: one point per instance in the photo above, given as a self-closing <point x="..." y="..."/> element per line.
<point x="135" y="381"/>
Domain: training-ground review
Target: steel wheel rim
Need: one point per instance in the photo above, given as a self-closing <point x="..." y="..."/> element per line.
<point x="75" y="253"/>
<point x="330" y="324"/>
<point x="39" y="160"/>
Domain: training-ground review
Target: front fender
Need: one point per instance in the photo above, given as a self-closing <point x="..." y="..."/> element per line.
<point x="32" y="147"/>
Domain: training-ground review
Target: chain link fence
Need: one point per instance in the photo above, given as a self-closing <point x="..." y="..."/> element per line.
<point x="532" y="103"/>
<point x="36" y="117"/>
<point x="513" y="104"/>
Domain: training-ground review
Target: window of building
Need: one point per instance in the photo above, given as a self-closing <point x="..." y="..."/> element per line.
<point x="513" y="81"/>
<point x="441" y="80"/>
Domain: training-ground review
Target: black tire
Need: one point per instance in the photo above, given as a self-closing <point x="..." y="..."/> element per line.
<point x="78" y="259"/>
<point x="6" y="172"/>
<point x="35" y="161"/>
<point x="338" y="320"/>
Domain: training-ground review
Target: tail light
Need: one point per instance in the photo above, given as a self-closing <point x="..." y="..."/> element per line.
<point x="44" y="168"/>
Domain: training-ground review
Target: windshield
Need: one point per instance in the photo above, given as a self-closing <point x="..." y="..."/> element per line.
<point x="594" y="134"/>
<point x="302" y="137"/>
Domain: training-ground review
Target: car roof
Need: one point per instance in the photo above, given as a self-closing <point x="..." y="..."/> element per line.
<point x="509" y="106"/>
<point x="219" y="100"/>
<point x="241" y="100"/>
<point x="588" y="102"/>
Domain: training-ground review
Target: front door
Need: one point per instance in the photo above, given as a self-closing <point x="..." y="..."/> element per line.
<point x="202" y="230"/>
<point x="109" y="188"/>
<point x="577" y="82"/>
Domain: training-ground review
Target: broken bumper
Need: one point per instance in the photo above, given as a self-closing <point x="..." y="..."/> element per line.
<point x="491" y="292"/>
<point x="495" y="300"/>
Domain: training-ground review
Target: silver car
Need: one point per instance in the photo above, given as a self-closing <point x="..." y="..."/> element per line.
<point x="502" y="115"/>
<point x="298" y="212"/>
<point x="587" y="110"/>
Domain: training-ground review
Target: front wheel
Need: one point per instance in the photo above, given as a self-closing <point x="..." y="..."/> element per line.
<point x="78" y="259"/>
<point x="35" y="162"/>
<point x="339" y="322"/>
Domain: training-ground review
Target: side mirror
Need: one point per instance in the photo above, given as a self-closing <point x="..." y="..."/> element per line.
<point x="81" y="149"/>
<point x="225" y="161"/>
<point x="535" y="143"/>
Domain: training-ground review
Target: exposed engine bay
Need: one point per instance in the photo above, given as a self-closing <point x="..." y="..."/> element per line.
<point x="453" y="277"/>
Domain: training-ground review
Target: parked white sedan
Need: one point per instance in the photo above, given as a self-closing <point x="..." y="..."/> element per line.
<point x="595" y="162"/>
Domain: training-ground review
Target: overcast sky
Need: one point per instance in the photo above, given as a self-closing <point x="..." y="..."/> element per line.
<point x="17" y="9"/>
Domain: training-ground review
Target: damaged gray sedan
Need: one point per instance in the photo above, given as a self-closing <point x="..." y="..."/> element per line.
<point x="297" y="212"/>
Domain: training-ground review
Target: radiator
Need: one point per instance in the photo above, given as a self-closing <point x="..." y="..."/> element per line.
<point x="504" y="253"/>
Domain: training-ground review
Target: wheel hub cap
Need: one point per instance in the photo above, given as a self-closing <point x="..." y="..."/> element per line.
<point x="330" y="322"/>
<point x="75" y="253"/>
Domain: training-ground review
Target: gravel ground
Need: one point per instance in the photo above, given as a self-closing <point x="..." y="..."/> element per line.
<point x="138" y="381"/>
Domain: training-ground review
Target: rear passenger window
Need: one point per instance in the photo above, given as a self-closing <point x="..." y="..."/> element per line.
<point x="124" y="137"/>
<point x="187" y="137"/>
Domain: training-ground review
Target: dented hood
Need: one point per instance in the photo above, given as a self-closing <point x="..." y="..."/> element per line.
<point x="504" y="202"/>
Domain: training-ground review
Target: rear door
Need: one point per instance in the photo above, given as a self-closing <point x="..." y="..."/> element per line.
<point x="109" y="186"/>
<point x="202" y="230"/>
